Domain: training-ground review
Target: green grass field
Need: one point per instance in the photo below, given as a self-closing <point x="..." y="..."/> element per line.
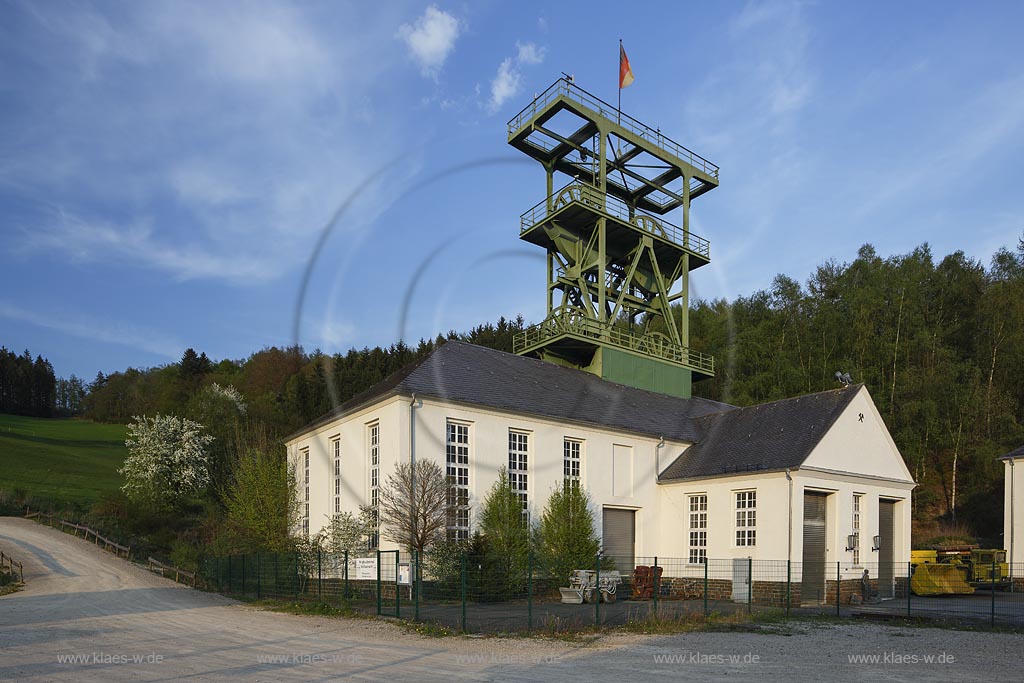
<point x="61" y="460"/>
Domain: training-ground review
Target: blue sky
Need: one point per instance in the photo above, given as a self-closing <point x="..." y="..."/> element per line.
<point x="167" y="169"/>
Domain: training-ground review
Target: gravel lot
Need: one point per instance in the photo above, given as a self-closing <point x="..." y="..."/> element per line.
<point x="87" y="616"/>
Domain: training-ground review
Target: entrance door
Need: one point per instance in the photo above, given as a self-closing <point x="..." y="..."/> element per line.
<point x="886" y="549"/>
<point x="741" y="579"/>
<point x="619" y="538"/>
<point x="813" y="582"/>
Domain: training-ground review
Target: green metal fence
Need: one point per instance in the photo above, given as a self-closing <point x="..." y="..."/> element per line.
<point x="473" y="593"/>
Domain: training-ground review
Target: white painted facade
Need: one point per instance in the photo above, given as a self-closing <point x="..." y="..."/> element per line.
<point x="1013" y="507"/>
<point x="855" y="457"/>
<point x="619" y="470"/>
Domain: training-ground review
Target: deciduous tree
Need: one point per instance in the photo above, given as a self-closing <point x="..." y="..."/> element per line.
<point x="414" y="504"/>
<point x="167" y="460"/>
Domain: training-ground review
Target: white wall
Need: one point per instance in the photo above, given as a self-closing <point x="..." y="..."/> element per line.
<point x="772" y="495"/>
<point x="628" y="479"/>
<point x="355" y="484"/>
<point x="1013" y="510"/>
<point x="773" y="518"/>
<point x="632" y="484"/>
<point x="839" y="517"/>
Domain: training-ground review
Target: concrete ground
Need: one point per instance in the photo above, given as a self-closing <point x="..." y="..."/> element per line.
<point x="87" y="616"/>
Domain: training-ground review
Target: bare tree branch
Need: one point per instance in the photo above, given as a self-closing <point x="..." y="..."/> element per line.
<point x="413" y="509"/>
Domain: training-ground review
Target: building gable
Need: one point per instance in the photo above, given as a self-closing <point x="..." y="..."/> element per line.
<point x="858" y="442"/>
<point x="766" y="437"/>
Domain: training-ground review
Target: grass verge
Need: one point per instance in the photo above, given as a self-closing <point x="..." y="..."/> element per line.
<point x="64" y="461"/>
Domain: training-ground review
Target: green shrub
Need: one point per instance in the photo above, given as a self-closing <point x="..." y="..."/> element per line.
<point x="442" y="566"/>
<point x="565" y="538"/>
<point x="185" y="554"/>
<point x="506" y="535"/>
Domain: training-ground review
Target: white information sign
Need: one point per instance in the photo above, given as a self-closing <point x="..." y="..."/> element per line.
<point x="366" y="568"/>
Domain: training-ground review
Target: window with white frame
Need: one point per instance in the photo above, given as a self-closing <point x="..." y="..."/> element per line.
<point x="698" y="529"/>
<point x="305" y="479"/>
<point x="518" y="454"/>
<point x="336" y="450"/>
<point x="572" y="449"/>
<point x="856" y="528"/>
<point x="746" y="518"/>
<point x="457" y="469"/>
<point x="373" y="455"/>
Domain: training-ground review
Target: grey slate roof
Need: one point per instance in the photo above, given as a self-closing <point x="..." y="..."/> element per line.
<point x="726" y="439"/>
<point x="1014" y="454"/>
<point x="473" y="374"/>
<point x="769" y="436"/>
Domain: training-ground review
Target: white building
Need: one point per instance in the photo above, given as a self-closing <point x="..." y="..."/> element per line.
<point x="1013" y="509"/>
<point x="669" y="477"/>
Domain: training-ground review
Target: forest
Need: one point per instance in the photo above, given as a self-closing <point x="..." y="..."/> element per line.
<point x="939" y="343"/>
<point x="29" y="387"/>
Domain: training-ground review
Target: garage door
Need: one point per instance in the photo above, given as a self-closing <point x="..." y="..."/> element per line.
<point x="813" y="582"/>
<point x="619" y="537"/>
<point x="886" y="556"/>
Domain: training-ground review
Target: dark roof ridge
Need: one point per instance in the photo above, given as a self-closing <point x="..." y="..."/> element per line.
<point x="564" y="368"/>
<point x="766" y="437"/>
<point x="780" y="400"/>
<point x="464" y="372"/>
<point x="1013" y="455"/>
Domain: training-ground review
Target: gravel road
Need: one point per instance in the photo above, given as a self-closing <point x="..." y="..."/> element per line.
<point x="87" y="616"/>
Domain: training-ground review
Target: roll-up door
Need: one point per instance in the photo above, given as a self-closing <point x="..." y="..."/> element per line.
<point x="813" y="582"/>
<point x="619" y="537"/>
<point x="886" y="556"/>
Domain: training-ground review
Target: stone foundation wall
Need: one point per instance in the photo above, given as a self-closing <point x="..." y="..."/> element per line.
<point x="686" y="588"/>
<point x="847" y="589"/>
<point x="774" y="593"/>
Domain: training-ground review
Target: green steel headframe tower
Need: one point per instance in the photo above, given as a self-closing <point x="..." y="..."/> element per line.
<point x="615" y="265"/>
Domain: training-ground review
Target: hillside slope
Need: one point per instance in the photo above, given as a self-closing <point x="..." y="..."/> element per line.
<point x="60" y="459"/>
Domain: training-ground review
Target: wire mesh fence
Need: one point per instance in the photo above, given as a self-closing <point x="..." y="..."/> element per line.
<point x="486" y="594"/>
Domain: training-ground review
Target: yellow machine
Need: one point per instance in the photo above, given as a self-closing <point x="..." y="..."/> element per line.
<point x="957" y="570"/>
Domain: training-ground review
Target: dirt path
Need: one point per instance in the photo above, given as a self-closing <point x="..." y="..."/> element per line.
<point x="87" y="616"/>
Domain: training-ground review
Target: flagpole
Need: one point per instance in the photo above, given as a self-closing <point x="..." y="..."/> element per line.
<point x="619" y="83"/>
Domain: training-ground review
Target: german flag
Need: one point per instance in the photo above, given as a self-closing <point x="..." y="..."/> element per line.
<point x="625" y="72"/>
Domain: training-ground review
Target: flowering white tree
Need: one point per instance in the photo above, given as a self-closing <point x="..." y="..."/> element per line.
<point x="346" y="532"/>
<point x="167" y="460"/>
<point x="227" y="393"/>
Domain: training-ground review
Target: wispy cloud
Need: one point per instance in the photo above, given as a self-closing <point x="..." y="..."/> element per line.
<point x="530" y="54"/>
<point x="746" y="114"/>
<point x="137" y="245"/>
<point x="996" y="116"/>
<point x="336" y="335"/>
<point x="108" y="331"/>
<point x="430" y="39"/>
<point x="786" y="83"/>
<point x="224" y="170"/>
<point x="507" y="82"/>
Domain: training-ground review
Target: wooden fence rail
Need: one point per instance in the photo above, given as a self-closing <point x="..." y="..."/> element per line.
<point x="156" y="565"/>
<point x="8" y="563"/>
<point x="98" y="539"/>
